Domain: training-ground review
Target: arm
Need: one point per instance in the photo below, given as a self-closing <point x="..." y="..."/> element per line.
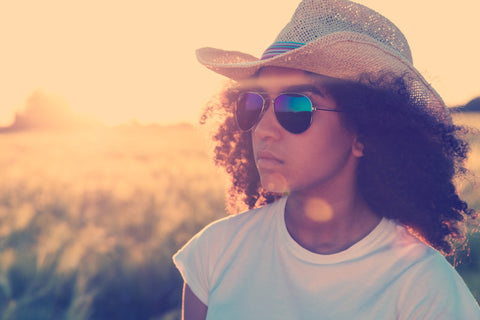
<point x="193" y="308"/>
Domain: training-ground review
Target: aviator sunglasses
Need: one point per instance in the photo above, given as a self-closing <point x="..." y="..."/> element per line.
<point x="292" y="110"/>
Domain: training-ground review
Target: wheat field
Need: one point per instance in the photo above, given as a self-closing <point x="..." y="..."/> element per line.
<point x="89" y="220"/>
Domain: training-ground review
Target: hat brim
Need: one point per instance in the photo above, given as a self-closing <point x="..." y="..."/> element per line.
<point x="342" y="55"/>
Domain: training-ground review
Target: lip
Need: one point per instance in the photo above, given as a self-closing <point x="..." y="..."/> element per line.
<point x="267" y="159"/>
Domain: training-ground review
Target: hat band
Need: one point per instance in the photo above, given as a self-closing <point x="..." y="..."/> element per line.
<point x="279" y="48"/>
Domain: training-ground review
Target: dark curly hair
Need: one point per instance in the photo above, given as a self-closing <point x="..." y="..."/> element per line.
<point x="410" y="156"/>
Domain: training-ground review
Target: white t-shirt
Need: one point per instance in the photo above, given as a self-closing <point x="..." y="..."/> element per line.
<point x="249" y="267"/>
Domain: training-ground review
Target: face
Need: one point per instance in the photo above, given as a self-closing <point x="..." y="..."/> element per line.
<point x="324" y="156"/>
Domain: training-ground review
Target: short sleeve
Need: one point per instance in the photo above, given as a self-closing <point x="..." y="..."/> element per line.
<point x="193" y="263"/>
<point x="438" y="292"/>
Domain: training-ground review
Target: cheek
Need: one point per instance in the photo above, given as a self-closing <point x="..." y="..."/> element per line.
<point x="321" y="160"/>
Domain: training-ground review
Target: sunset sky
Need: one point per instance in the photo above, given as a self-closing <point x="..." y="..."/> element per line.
<point x="122" y="59"/>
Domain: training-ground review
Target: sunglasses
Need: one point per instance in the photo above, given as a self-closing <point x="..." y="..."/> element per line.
<point x="292" y="110"/>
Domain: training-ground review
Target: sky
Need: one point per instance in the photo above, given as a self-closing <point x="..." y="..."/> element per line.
<point x="119" y="60"/>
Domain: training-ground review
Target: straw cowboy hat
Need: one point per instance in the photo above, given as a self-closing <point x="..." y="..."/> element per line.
<point x="337" y="38"/>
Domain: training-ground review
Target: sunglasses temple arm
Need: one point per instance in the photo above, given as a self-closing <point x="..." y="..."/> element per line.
<point x="322" y="109"/>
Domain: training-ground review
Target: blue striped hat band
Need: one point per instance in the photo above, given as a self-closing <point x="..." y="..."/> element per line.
<point x="280" y="47"/>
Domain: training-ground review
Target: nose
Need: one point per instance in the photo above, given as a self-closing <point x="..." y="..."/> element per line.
<point x="268" y="126"/>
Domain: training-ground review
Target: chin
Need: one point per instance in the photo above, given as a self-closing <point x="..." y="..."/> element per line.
<point x="274" y="182"/>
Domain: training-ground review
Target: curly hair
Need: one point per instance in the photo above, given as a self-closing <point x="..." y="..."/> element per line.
<point x="411" y="156"/>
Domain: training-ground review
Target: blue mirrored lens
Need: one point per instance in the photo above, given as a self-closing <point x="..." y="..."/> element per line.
<point x="293" y="112"/>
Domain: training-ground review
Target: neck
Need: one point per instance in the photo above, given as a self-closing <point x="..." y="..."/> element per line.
<point x="328" y="223"/>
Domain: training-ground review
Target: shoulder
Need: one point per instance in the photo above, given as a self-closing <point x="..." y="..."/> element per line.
<point x="242" y="223"/>
<point x="198" y="259"/>
<point x="223" y="232"/>
<point x="431" y="287"/>
<point x="410" y="249"/>
<point x="422" y="262"/>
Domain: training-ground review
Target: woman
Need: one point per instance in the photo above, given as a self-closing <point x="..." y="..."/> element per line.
<point x="352" y="154"/>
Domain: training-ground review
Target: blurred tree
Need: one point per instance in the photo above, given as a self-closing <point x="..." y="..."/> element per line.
<point x="473" y="105"/>
<point x="45" y="111"/>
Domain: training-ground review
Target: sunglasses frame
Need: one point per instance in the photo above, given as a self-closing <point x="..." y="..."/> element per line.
<point x="271" y="101"/>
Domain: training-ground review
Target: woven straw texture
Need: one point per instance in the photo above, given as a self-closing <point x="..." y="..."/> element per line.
<point x="336" y="16"/>
<point x="344" y="40"/>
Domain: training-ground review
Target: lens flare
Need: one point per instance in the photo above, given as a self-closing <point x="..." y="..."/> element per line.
<point x="318" y="210"/>
<point x="274" y="182"/>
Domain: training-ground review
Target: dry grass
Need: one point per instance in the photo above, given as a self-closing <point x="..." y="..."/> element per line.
<point x="68" y="201"/>
<point x="89" y="220"/>
<point x="470" y="119"/>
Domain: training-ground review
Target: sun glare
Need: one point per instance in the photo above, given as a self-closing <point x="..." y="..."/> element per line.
<point x="136" y="60"/>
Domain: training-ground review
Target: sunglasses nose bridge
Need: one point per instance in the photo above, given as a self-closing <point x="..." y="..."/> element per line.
<point x="267" y="122"/>
<point x="267" y="101"/>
